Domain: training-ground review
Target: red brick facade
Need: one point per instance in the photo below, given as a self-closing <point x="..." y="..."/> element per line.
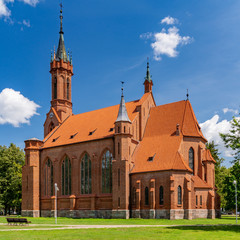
<point x="153" y="166"/>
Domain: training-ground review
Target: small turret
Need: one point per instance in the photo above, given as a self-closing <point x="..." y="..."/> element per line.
<point x="148" y="83"/>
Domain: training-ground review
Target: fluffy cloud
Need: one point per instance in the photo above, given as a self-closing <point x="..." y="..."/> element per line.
<point x="30" y="2"/>
<point x="16" y="109"/>
<point x="169" y="20"/>
<point x="226" y="110"/>
<point x="211" y="129"/>
<point x="166" y="43"/>
<point x="4" y="10"/>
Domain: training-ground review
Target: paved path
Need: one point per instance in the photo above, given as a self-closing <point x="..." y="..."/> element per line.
<point x="65" y="227"/>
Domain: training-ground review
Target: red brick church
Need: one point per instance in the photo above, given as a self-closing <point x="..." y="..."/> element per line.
<point x="134" y="160"/>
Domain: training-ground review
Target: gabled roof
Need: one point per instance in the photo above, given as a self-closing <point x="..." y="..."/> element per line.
<point x="160" y="138"/>
<point x="88" y="126"/>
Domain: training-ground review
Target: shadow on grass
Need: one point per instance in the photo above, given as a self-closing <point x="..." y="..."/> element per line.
<point x="229" y="228"/>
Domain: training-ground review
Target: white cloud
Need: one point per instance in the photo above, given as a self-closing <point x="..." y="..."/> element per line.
<point x="226" y="110"/>
<point x="169" y="20"/>
<point x="30" y="2"/>
<point x="15" y="109"/>
<point x="6" y="12"/>
<point x="211" y="129"/>
<point x="166" y="43"/>
<point x="146" y="35"/>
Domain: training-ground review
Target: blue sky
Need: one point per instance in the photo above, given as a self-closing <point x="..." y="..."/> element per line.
<point x="110" y="42"/>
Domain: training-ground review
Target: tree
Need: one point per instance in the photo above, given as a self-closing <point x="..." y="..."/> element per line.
<point x="220" y="172"/>
<point x="232" y="139"/>
<point x="229" y="187"/>
<point x="11" y="162"/>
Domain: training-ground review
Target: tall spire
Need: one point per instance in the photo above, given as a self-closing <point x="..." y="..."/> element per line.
<point x="148" y="83"/>
<point x="61" y="51"/>
<point x="148" y="76"/>
<point x="122" y="113"/>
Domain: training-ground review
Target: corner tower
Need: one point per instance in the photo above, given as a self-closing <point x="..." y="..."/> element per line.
<point x="148" y="83"/>
<point x="61" y="70"/>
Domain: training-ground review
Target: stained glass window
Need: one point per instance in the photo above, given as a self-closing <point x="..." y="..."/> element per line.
<point x="191" y="158"/>
<point x="66" y="177"/>
<point x="107" y="172"/>
<point x="179" y="195"/>
<point x="86" y="175"/>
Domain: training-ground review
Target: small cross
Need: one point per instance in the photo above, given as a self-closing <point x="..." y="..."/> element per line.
<point x="187" y="94"/>
<point x="122" y="87"/>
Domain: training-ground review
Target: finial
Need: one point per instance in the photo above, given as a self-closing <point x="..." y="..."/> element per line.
<point x="54" y="54"/>
<point x="122" y="87"/>
<point x="148" y="77"/>
<point x="187" y="94"/>
<point x="68" y="56"/>
<point x="61" y="18"/>
<point x="51" y="56"/>
<point x="71" y="58"/>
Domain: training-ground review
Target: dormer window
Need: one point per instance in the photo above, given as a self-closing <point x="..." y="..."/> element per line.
<point x="92" y="132"/>
<point x="150" y="159"/>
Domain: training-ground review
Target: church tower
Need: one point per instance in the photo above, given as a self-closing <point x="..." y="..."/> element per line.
<point x="148" y="83"/>
<point x="61" y="70"/>
<point x="121" y="164"/>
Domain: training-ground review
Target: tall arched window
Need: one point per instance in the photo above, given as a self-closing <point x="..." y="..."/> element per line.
<point x="191" y="158"/>
<point x="179" y="195"/>
<point x="55" y="88"/>
<point x="107" y="172"/>
<point x="66" y="176"/>
<point x="86" y="174"/>
<point x="48" y="178"/>
<point x="68" y="86"/>
<point x="51" y="127"/>
<point x="161" y="195"/>
<point x="146" y="196"/>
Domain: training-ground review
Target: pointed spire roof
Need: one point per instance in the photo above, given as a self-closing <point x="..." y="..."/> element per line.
<point x="122" y="113"/>
<point x="148" y="76"/>
<point x="61" y="51"/>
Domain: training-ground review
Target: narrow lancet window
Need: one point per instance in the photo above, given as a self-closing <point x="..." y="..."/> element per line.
<point x="146" y="196"/>
<point x="86" y="175"/>
<point x="55" y="88"/>
<point x="191" y="158"/>
<point x="179" y="195"/>
<point x="48" y="178"/>
<point x="68" y="86"/>
<point x="66" y="176"/>
<point x="161" y="195"/>
<point x="107" y="172"/>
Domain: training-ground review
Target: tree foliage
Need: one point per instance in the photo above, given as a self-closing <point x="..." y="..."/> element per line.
<point x="220" y="172"/>
<point x="229" y="187"/>
<point x="232" y="139"/>
<point x="11" y="162"/>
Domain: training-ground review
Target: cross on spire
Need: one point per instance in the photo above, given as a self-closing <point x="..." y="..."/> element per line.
<point x="187" y="95"/>
<point x="122" y="87"/>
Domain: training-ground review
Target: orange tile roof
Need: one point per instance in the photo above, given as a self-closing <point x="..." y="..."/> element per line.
<point x="100" y="121"/>
<point x="207" y="156"/>
<point x="160" y="138"/>
<point x="199" y="183"/>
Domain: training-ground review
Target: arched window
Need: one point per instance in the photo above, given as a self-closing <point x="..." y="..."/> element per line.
<point x="51" y="127"/>
<point x="48" y="178"/>
<point x="107" y="172"/>
<point x="191" y="158"/>
<point x="55" y="88"/>
<point x="146" y="196"/>
<point x="66" y="176"/>
<point x="201" y="200"/>
<point x="179" y="195"/>
<point x="86" y="175"/>
<point x="68" y="86"/>
<point x="196" y="200"/>
<point x="161" y="195"/>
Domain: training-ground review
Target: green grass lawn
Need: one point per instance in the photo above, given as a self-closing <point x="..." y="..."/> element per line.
<point x="183" y="233"/>
<point x="133" y="221"/>
<point x="171" y="232"/>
